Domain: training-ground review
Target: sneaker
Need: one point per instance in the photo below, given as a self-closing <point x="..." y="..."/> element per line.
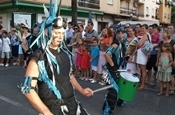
<point x="1" y="64"/>
<point x="93" y="81"/>
<point x="101" y="83"/>
<point x="6" y="65"/>
<point x="14" y="63"/>
<point x="82" y="78"/>
<point x="90" y="79"/>
<point x="86" y="79"/>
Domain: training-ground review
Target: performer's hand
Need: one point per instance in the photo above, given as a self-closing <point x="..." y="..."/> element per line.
<point x="87" y="92"/>
<point x="46" y="113"/>
<point x="114" y="69"/>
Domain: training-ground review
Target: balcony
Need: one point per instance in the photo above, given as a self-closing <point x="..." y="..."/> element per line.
<point x="140" y="1"/>
<point x="127" y="11"/>
<point x="95" y="4"/>
<point x="5" y="1"/>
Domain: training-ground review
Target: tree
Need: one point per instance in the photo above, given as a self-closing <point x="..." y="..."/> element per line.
<point x="173" y="15"/>
<point x="74" y="11"/>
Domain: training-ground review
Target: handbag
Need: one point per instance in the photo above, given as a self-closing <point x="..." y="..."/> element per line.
<point x="147" y="47"/>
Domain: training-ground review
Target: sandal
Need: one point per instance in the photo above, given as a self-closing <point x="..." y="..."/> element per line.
<point x="171" y="92"/>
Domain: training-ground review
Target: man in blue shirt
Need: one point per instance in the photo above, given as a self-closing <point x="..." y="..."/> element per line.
<point x="69" y="33"/>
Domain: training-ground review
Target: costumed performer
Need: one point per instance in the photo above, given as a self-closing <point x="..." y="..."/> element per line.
<point x="50" y="69"/>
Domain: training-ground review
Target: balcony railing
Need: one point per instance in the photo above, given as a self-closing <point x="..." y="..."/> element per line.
<point x="127" y="11"/>
<point x="140" y="15"/>
<point x="95" y="4"/>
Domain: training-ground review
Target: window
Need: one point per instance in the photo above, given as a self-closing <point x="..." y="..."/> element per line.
<point x="110" y="2"/>
<point x="95" y="4"/>
<point x="164" y="15"/>
<point x="153" y="12"/>
<point x="147" y="10"/>
<point x="168" y="16"/>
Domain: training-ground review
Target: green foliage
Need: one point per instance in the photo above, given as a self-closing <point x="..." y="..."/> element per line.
<point x="173" y="15"/>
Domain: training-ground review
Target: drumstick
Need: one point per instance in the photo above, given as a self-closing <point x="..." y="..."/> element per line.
<point x="103" y="88"/>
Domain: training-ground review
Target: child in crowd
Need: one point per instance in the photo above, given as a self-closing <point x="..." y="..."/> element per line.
<point x="131" y="66"/>
<point x="164" y="68"/>
<point x="94" y="59"/>
<point x="101" y="62"/>
<point x="85" y="62"/>
<point x="155" y="37"/>
<point x="5" y="49"/>
<point x="79" y="52"/>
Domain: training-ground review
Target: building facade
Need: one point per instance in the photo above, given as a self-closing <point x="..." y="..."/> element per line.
<point x="164" y="11"/>
<point x="102" y="12"/>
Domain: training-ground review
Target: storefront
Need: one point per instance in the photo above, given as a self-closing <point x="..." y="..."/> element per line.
<point x="30" y="13"/>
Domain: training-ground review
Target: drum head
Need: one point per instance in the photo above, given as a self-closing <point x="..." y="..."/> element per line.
<point x="129" y="77"/>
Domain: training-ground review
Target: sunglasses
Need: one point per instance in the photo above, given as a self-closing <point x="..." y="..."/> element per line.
<point x="127" y="27"/>
<point x="75" y="28"/>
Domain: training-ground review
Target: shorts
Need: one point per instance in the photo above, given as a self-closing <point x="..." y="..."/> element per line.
<point x="152" y="63"/>
<point x="94" y="68"/>
<point x="5" y="54"/>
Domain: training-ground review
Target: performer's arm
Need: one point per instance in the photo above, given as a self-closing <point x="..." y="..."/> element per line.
<point x="87" y="92"/>
<point x="32" y="96"/>
<point x="108" y="55"/>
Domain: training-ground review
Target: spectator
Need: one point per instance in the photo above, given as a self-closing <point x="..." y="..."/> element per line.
<point x="153" y="57"/>
<point x="85" y="63"/>
<point x="82" y="31"/>
<point x="107" y="37"/>
<point x="171" y="31"/>
<point x="5" y="49"/>
<point x="25" y="46"/>
<point x="69" y="33"/>
<point x="165" y="62"/>
<point x="94" y="58"/>
<point x="15" y="45"/>
<point x="167" y="39"/>
<point x="138" y="29"/>
<point x="90" y="34"/>
<point x="142" y="59"/>
<point x="74" y="45"/>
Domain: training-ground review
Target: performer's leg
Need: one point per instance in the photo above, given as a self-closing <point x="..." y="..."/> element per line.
<point x="74" y="107"/>
<point x="110" y="102"/>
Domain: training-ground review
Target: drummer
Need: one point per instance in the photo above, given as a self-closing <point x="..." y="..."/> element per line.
<point x="114" y="56"/>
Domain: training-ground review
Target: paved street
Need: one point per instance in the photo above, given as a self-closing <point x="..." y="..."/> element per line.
<point x="12" y="102"/>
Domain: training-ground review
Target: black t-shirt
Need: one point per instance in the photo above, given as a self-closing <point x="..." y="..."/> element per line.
<point x="62" y="79"/>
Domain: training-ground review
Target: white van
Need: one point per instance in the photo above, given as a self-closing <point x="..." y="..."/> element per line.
<point x="121" y="24"/>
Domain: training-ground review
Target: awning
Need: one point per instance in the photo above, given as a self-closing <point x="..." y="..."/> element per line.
<point x="18" y="3"/>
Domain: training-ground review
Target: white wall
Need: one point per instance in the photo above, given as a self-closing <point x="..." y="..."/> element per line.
<point x="151" y="4"/>
<point x="5" y="19"/>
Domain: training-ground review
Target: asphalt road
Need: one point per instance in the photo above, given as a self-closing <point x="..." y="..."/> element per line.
<point x="12" y="101"/>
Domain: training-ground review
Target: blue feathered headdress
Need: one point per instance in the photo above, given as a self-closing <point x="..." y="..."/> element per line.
<point x="52" y="20"/>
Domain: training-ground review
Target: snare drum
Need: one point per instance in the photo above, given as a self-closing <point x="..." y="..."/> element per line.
<point x="127" y="86"/>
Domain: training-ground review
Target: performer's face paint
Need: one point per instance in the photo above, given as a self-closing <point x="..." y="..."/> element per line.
<point x="58" y="35"/>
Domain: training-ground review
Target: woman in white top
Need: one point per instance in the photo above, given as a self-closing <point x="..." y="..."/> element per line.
<point x="142" y="59"/>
